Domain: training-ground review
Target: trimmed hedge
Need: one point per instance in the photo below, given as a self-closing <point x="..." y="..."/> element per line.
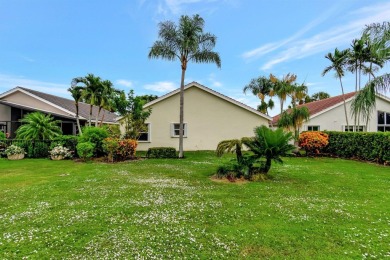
<point x="374" y="147"/>
<point x="161" y="152"/>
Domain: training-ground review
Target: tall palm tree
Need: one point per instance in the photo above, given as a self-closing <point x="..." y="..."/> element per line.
<point x="103" y="98"/>
<point x="185" y="42"/>
<point x="92" y="91"/>
<point x="319" y="96"/>
<point x="338" y="61"/>
<point x="38" y="126"/>
<point x="283" y="87"/>
<point x="77" y="94"/>
<point x="261" y="87"/>
<point x="298" y="94"/>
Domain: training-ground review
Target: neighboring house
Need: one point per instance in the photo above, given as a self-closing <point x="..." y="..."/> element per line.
<point x="17" y="102"/>
<point x="328" y="114"/>
<point x="209" y="118"/>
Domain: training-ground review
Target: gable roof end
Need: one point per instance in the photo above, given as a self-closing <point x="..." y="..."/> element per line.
<point x="213" y="92"/>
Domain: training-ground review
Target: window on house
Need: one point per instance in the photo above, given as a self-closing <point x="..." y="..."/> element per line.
<point x="145" y="135"/>
<point x="175" y="130"/>
<point x="313" y="128"/>
<point x="355" y="128"/>
<point x="383" y="121"/>
<point x="3" y="128"/>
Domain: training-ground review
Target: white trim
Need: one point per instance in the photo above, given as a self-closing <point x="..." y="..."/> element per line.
<point x="38" y="98"/>
<point x="185" y="134"/>
<point x="148" y="132"/>
<point x="215" y="93"/>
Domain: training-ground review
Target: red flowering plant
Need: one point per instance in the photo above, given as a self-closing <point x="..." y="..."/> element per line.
<point x="119" y="149"/>
<point x="313" y="142"/>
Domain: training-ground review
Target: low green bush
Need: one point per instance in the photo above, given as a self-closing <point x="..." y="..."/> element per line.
<point x="85" y="150"/>
<point x="161" y="152"/>
<point x="2" y="135"/>
<point x="374" y="147"/>
<point x="95" y="135"/>
<point x="37" y="149"/>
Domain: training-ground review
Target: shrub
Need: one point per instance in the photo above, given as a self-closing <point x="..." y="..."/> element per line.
<point x="161" y="152"/>
<point x="2" y="136"/>
<point x="85" y="150"/>
<point x="61" y="151"/>
<point x="14" y="149"/>
<point x="126" y="149"/>
<point x="37" y="149"/>
<point x="373" y="147"/>
<point x="67" y="141"/>
<point x="95" y="135"/>
<point x="313" y="142"/>
<point x="110" y="147"/>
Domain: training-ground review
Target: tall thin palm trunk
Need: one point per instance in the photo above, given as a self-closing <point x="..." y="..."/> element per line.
<point x="90" y="115"/>
<point x="181" y="129"/>
<point x="345" y="105"/>
<point x="77" y="118"/>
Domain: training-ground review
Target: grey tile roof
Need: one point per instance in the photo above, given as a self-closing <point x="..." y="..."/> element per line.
<point x="69" y="105"/>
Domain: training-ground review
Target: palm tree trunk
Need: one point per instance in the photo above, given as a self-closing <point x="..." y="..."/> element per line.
<point x="97" y="116"/>
<point x="77" y="119"/>
<point x="181" y="129"/>
<point x="101" y="121"/>
<point x="345" y="105"/>
<point x="267" y="165"/>
<point x="360" y="72"/>
<point x="90" y="115"/>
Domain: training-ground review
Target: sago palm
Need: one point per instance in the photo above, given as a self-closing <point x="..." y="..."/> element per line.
<point x="38" y="126"/>
<point x="185" y="42"/>
<point x="271" y="144"/>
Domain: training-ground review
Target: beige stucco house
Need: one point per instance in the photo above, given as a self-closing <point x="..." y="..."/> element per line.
<point x="328" y="114"/>
<point x="19" y="101"/>
<point x="209" y="118"/>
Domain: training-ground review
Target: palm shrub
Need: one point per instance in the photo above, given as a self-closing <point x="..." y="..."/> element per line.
<point x="38" y="126"/>
<point x="266" y="146"/>
<point x="271" y="144"/>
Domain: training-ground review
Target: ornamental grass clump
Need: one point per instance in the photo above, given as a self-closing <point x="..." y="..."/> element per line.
<point x="60" y="152"/>
<point x="313" y="142"/>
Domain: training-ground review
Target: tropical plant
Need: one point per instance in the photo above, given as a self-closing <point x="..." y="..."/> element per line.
<point x="77" y="94"/>
<point x="379" y="37"/>
<point x="92" y="91"/>
<point x="319" y="96"/>
<point x="338" y="61"/>
<point x="186" y="42"/>
<point x="136" y="115"/>
<point x="2" y="135"/>
<point x="293" y="119"/>
<point x="267" y="143"/>
<point x="261" y="87"/>
<point x="271" y="144"/>
<point x="38" y="126"/>
<point x="283" y="87"/>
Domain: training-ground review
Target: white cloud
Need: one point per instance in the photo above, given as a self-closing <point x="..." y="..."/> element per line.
<point x="161" y="86"/>
<point x="124" y="82"/>
<point x="295" y="47"/>
<point x="214" y="83"/>
<point x="8" y="82"/>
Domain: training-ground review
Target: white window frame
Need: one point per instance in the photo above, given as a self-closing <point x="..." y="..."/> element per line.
<point x="385" y="123"/>
<point x="173" y="130"/>
<point x="355" y="128"/>
<point x="148" y="132"/>
<point x="319" y="128"/>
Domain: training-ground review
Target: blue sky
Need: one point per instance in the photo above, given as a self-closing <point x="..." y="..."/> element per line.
<point x="46" y="43"/>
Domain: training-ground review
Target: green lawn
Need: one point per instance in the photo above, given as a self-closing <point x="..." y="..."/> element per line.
<point x="312" y="208"/>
